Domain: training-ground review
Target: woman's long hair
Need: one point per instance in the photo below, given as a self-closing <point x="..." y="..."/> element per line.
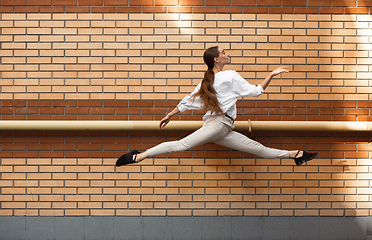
<point x="207" y="93"/>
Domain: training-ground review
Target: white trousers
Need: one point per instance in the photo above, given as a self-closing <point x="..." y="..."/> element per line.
<point x="218" y="129"/>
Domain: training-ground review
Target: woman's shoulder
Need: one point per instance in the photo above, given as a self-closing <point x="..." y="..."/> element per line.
<point x="226" y="74"/>
<point x="225" y="77"/>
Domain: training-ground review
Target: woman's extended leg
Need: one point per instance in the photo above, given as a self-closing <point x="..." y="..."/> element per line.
<point x="212" y="129"/>
<point x="242" y="143"/>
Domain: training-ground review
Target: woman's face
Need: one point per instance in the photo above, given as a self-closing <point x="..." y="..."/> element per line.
<point x="223" y="58"/>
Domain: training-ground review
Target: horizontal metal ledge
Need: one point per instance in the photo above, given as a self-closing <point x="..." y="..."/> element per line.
<point x="183" y="126"/>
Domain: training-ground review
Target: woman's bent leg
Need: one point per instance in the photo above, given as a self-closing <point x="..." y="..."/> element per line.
<point x="242" y="143"/>
<point x="211" y="130"/>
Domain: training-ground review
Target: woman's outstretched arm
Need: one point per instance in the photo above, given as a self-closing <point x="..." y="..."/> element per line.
<point x="166" y="119"/>
<point x="277" y="71"/>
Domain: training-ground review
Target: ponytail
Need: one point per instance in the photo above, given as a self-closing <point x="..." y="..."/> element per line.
<point x="207" y="93"/>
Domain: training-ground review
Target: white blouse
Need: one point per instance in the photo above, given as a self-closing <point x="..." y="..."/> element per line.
<point x="229" y="86"/>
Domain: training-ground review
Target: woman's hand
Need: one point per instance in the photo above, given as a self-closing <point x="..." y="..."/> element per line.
<point x="167" y="118"/>
<point x="164" y="122"/>
<point x="279" y="70"/>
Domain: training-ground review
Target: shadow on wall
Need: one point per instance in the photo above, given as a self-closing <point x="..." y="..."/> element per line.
<point x="335" y="186"/>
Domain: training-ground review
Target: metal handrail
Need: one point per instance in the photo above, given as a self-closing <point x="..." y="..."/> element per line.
<point x="327" y="126"/>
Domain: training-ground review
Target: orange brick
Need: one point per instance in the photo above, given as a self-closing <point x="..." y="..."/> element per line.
<point x="77" y="212"/>
<point x="204" y="212"/>
<point x="354" y="212"/>
<point x="130" y="212"/>
<point x="47" y="196"/>
<point x="363" y="205"/>
<point x="102" y="198"/>
<point x="192" y="205"/>
<point x="281" y="213"/>
<point x="182" y="198"/>
<point x="353" y="198"/>
<point x="26" y="212"/>
<point x="345" y="47"/>
<point x="99" y="191"/>
<point x="14" y="191"/>
<point x="171" y="212"/>
<point x="331" y="212"/>
<point x="38" y="205"/>
<point x="13" y="31"/>
<point x="39" y="176"/>
<point x="268" y="32"/>
<point x="306" y="212"/>
<point x="259" y="212"/>
<point x="14" y="205"/>
<point x="51" y="212"/>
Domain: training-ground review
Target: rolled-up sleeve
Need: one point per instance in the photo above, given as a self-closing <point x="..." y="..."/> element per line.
<point x="243" y="88"/>
<point x="187" y="103"/>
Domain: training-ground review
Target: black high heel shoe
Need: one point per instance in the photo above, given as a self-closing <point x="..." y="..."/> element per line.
<point x="127" y="158"/>
<point x="305" y="157"/>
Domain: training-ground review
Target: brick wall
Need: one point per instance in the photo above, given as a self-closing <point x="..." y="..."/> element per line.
<point x="125" y="62"/>
<point x="187" y="6"/>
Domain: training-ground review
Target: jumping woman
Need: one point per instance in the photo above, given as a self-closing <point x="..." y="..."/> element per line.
<point x="218" y="93"/>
